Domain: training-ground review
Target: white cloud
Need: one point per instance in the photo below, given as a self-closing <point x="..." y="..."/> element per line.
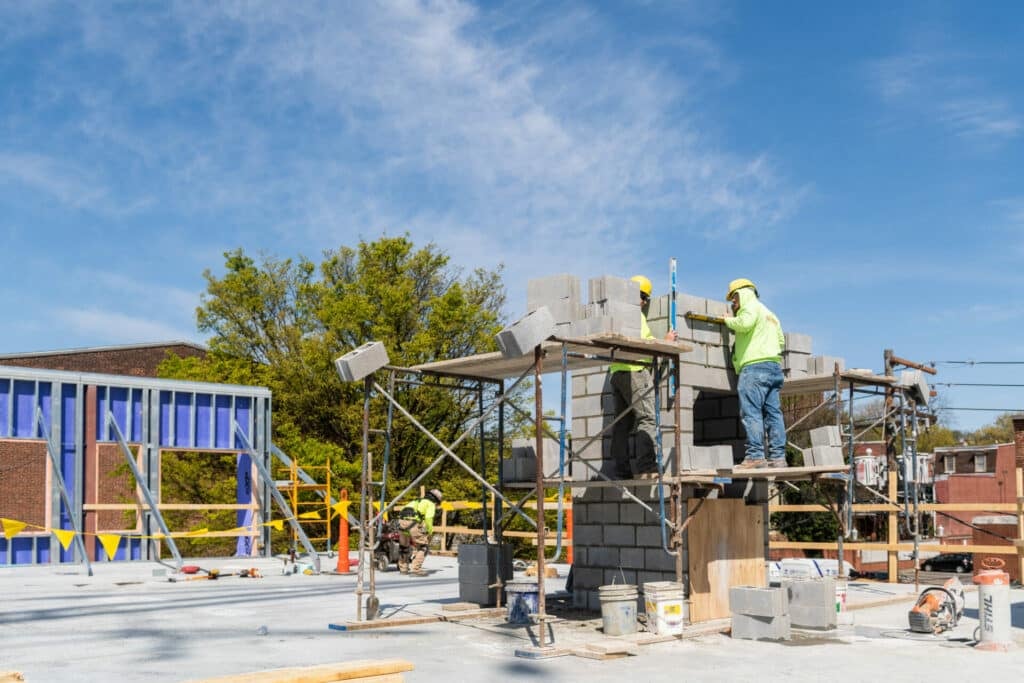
<point x="522" y="129"/>
<point x="56" y="178"/>
<point x="102" y="324"/>
<point x="943" y="86"/>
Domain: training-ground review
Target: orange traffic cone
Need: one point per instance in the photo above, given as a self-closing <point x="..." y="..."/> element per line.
<point x="343" y="566"/>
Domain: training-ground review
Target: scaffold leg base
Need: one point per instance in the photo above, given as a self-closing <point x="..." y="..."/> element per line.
<point x="546" y="652"/>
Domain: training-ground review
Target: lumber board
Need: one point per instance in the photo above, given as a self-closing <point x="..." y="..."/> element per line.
<point x="790" y="473"/>
<point x="416" y="620"/>
<point x="726" y="548"/>
<point x="11" y="676"/>
<point x="819" y="383"/>
<point x="495" y="366"/>
<point x="378" y="670"/>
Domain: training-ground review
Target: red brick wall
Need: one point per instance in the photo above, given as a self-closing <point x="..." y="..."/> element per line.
<point x="994" y="487"/>
<point x="23" y="481"/>
<point x="114" y="484"/>
<point x="138" y="362"/>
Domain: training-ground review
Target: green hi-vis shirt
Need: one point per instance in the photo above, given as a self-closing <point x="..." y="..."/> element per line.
<point x="758" y="331"/>
<point x="645" y="333"/>
<point x="425" y="509"/>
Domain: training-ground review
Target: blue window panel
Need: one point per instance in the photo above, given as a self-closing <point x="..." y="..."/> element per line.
<point x="243" y="495"/>
<point x="24" y="409"/>
<point x="22" y="547"/>
<point x="136" y="435"/>
<point x="120" y="554"/>
<point x="182" y="419"/>
<point x="46" y="403"/>
<point x="118" y="400"/>
<point x="203" y="411"/>
<point x="101" y="413"/>
<point x="166" y="438"/>
<point x="5" y="407"/>
<point x="222" y="426"/>
<point x="68" y="393"/>
<point x="242" y="412"/>
<point x="136" y="547"/>
<point x="43" y="550"/>
<point x="3" y="550"/>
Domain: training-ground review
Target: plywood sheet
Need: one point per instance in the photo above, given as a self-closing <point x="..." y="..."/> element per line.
<point x="726" y="548"/>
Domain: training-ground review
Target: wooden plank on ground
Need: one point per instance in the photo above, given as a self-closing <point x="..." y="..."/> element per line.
<point x="726" y="548"/>
<point x="11" y="677"/>
<point x="483" y="613"/>
<point x="361" y="670"/>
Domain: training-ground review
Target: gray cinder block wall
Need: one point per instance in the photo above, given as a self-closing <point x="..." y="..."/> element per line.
<point x="615" y="540"/>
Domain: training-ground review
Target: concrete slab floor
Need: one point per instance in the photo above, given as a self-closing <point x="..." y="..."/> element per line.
<point x="125" y="624"/>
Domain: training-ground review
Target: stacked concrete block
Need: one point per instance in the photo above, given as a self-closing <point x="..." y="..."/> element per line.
<point x="824" y="365"/>
<point x="812" y="602"/>
<point x="914" y="382"/>
<point x="609" y="288"/>
<point x="829" y="435"/>
<point x="826" y="447"/>
<point x="799" y="343"/>
<point x="560" y="293"/>
<point x="525" y="334"/>
<point x="361" y="361"/>
<point x="616" y="541"/>
<point x="823" y="456"/>
<point x="794" y="365"/>
<point x="524" y="457"/>
<point x="759" y="613"/>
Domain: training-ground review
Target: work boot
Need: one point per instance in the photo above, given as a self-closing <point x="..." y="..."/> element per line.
<point x="777" y="462"/>
<point x="751" y="464"/>
<point x="420" y="572"/>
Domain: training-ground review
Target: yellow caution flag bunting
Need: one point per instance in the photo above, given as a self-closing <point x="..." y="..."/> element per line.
<point x="198" y="532"/>
<point x="240" y="530"/>
<point x="310" y="515"/>
<point x="276" y="523"/>
<point x="110" y="543"/>
<point x="65" y="536"/>
<point x="447" y="507"/>
<point x="12" y="527"/>
<point x="341" y="507"/>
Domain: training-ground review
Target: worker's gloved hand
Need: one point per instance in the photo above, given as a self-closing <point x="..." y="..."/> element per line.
<point x="671" y="335"/>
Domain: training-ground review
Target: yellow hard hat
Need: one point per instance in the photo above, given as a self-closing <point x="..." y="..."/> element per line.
<point x="739" y="284"/>
<point x="645" y="284"/>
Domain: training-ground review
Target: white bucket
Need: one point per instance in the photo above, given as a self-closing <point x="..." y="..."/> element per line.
<point x="840" y="595"/>
<point x="666" y="610"/>
<point x="618" y="608"/>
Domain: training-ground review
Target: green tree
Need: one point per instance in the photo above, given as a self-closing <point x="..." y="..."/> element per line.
<point x="281" y="322"/>
<point x="1000" y="431"/>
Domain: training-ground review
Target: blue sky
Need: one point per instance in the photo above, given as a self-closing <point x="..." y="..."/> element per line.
<point x="862" y="162"/>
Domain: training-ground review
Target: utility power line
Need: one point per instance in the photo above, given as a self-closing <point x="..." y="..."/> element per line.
<point x="972" y="384"/>
<point x="978" y="362"/>
<point x="993" y="410"/>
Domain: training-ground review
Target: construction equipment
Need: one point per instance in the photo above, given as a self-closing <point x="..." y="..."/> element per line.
<point x="211" y="575"/>
<point x="938" y="608"/>
<point x="692" y="315"/>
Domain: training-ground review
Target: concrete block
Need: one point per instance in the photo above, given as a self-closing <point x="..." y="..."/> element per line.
<point x="617" y="576"/>
<point x="795" y="361"/>
<point x="603" y="556"/>
<point x="914" y="383"/>
<point x="721" y="429"/>
<point x="824" y="365"/>
<point x="604" y="513"/>
<point x="587" y="534"/>
<point x="579" y="385"/>
<point x="701" y="377"/>
<point x="564" y="311"/>
<point x="824" y="456"/>
<point x="595" y="425"/>
<point x="730" y="406"/>
<point x="800" y="343"/>
<point x="829" y="435"/>
<point x="812" y="602"/>
<point x="599" y="383"/>
<point x="746" y="627"/>
<point x="579" y="428"/>
<point x="718" y="308"/>
<point x="717" y="356"/>
<point x="620" y="534"/>
<point x="525" y="455"/>
<point x="523" y="335"/>
<point x="587" y="406"/>
<point x="709" y="333"/>
<point x="630" y="513"/>
<point x="648" y="536"/>
<point x="611" y="288"/>
<point x="361" y="361"/>
<point x="698" y="355"/>
<point x="632" y="558"/>
<point x="757" y="601"/>
<point x="656" y="559"/>
<point x="722" y="457"/>
<point x="587" y="577"/>
<point x="688" y="303"/>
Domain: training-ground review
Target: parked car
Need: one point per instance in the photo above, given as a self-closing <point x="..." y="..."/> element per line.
<point x="949" y="562"/>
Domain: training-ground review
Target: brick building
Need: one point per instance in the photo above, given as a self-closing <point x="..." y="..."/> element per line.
<point x="972" y="474"/>
<point x="134" y="360"/>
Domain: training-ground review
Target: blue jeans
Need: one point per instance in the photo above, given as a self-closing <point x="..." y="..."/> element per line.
<point x="759" y="387"/>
